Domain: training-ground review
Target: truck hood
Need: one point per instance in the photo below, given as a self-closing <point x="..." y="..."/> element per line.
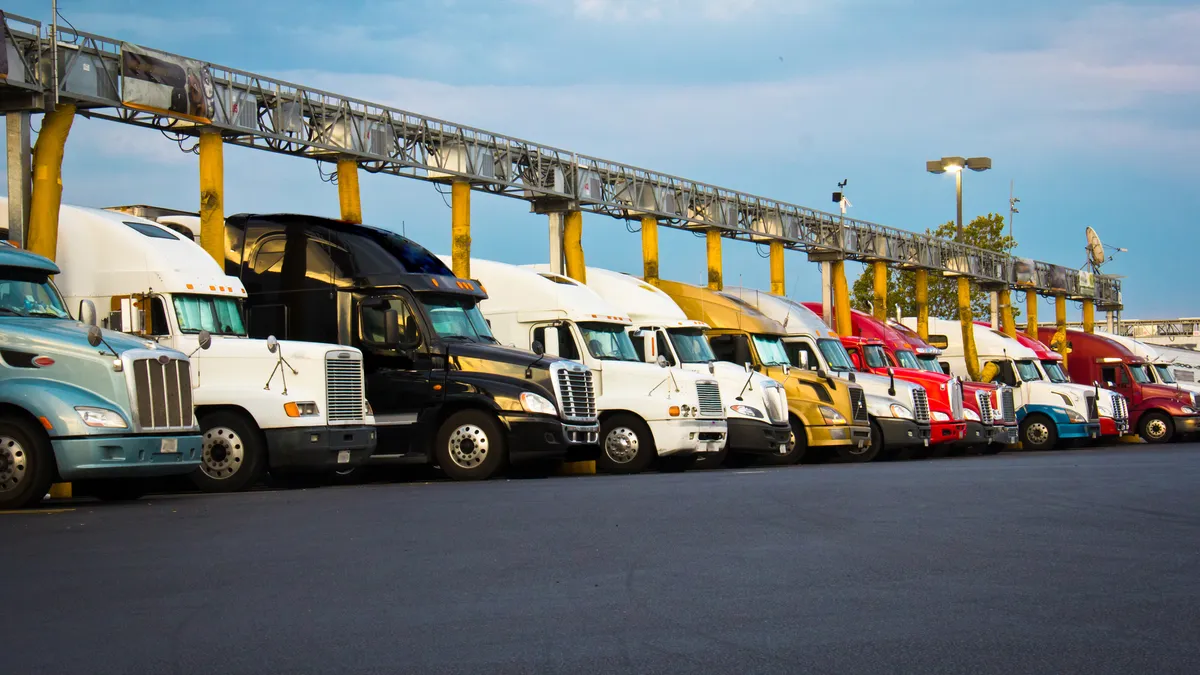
<point x="1167" y="391"/>
<point x="877" y="386"/>
<point x="68" y="335"/>
<point x="499" y="354"/>
<point x="224" y="347"/>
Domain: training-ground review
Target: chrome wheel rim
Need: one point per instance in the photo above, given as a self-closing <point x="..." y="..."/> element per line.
<point x="469" y="446"/>
<point x="1038" y="433"/>
<point x="13" y="462"/>
<point x="621" y="445"/>
<point x="1156" y="428"/>
<point x="223" y="453"/>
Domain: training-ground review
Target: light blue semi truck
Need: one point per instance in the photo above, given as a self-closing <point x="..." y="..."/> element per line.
<point x="96" y="408"/>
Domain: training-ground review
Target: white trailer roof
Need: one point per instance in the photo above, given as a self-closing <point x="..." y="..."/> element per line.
<point x="795" y="317"/>
<point x="642" y="303"/>
<point x="989" y="343"/>
<point x="1137" y="347"/>
<point x="539" y="296"/>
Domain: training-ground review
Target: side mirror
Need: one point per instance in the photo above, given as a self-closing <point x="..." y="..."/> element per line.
<point x="824" y="375"/>
<point x="787" y="370"/>
<point x="95" y="337"/>
<point x="1095" y="383"/>
<point x="87" y="312"/>
<point x="552" y="347"/>
<point x="272" y="344"/>
<point x="538" y="348"/>
<point x="1108" y="385"/>
<point x="662" y="361"/>
<point x="391" y="328"/>
<point x="803" y="360"/>
<point x="747" y="365"/>
<point x="205" y="339"/>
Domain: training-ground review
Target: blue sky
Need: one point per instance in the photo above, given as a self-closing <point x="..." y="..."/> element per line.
<point x="1089" y="107"/>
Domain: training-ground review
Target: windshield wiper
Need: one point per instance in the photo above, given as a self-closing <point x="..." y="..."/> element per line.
<point x="458" y="337"/>
<point x="10" y="310"/>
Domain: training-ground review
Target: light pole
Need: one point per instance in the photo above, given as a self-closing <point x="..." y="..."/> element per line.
<point x="956" y="165"/>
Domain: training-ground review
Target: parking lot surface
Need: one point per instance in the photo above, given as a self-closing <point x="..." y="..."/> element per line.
<point x="1078" y="561"/>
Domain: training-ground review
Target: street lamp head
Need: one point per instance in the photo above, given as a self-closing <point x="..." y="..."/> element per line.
<point x="953" y="163"/>
<point x="979" y="163"/>
<point x="935" y="166"/>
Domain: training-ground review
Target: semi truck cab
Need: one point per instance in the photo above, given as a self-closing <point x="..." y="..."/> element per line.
<point x="443" y="389"/>
<point x="1112" y="406"/>
<point x="79" y="403"/>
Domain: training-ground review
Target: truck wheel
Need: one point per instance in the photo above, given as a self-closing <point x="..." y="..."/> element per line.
<point x="1038" y="432"/>
<point x="710" y="460"/>
<point x="797" y="447"/>
<point x="233" y="457"/>
<point x="1156" y="427"/>
<point x="626" y="445"/>
<point x="470" y="445"/>
<point x="853" y="453"/>
<point x="112" y="490"/>
<point x="26" y="463"/>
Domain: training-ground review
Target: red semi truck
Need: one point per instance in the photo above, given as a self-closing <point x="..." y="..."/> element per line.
<point x="1158" y="412"/>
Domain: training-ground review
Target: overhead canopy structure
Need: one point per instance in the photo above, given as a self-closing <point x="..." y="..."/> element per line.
<point x="111" y="79"/>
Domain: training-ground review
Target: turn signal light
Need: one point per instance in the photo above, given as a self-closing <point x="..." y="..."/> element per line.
<point x="673" y="411"/>
<point x="43" y="361"/>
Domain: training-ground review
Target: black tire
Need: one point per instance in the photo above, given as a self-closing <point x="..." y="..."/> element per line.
<point x="709" y="460"/>
<point x="470" y="446"/>
<point x="233" y="455"/>
<point x="679" y="463"/>
<point x="626" y="445"/>
<point x="26" y="463"/>
<point x="857" y="455"/>
<point x="1156" y="427"/>
<point x="1039" y="432"/>
<point x="797" y="447"/>
<point x="113" y="489"/>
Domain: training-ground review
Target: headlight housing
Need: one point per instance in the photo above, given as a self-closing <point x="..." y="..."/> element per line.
<point x="1074" y="417"/>
<point x="748" y="411"/>
<point x="1188" y="410"/>
<point x="971" y="415"/>
<point x="301" y="409"/>
<point x="101" y="417"/>
<point x="538" y="404"/>
<point x="901" y="412"/>
<point x="939" y="416"/>
<point x="831" y="416"/>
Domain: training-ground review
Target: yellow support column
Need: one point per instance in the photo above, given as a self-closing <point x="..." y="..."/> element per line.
<point x="212" y="195"/>
<point x="348" y="195"/>
<point x="650" y="250"/>
<point x="1089" y="316"/>
<point x="879" y="302"/>
<point x="922" y="279"/>
<point x="714" y="260"/>
<point x="841" y="298"/>
<point x="460" y="229"/>
<point x="1006" y="314"/>
<point x="573" y="246"/>
<point x="46" y="199"/>
<point x="1031" y="302"/>
<point x="970" y="355"/>
<point x="778" y="286"/>
<point x="1060" y="327"/>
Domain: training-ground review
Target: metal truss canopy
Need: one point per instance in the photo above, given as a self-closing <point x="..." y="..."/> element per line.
<point x="262" y="112"/>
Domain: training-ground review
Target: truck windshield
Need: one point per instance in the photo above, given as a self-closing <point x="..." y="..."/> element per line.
<point x="770" y="350"/>
<point x="1164" y="373"/>
<point x="690" y="345"/>
<point x="1139" y="373"/>
<point x="1028" y="371"/>
<point x="608" y="341"/>
<point x="1054" y="371"/>
<point x="457" y="317"/>
<point x="29" y="293"/>
<point x="929" y="362"/>
<point x="907" y="359"/>
<point x="876" y="357"/>
<point x="835" y="354"/>
<point x="217" y="315"/>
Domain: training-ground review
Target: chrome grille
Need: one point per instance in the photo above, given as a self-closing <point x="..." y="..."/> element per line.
<point x="1196" y="399"/>
<point x="710" y="399"/>
<point x="343" y="388"/>
<point x="162" y="393"/>
<point x="920" y="405"/>
<point x="776" y="399"/>
<point x="1120" y="407"/>
<point x="858" y="404"/>
<point x="1093" y="412"/>
<point x="956" y="403"/>
<point x="1008" y="406"/>
<point x="575" y="391"/>
<point x="985" y="407"/>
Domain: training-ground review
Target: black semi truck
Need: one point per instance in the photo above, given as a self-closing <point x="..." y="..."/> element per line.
<point x="443" y="390"/>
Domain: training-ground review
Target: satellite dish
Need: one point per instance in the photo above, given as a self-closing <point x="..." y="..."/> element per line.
<point x="1095" y="249"/>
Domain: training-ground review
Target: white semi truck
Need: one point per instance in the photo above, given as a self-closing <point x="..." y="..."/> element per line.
<point x="647" y="412"/>
<point x="263" y="405"/>
<point x="756" y="409"/>
<point x="899" y="410"/>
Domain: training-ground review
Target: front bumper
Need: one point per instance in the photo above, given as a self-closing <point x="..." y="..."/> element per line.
<point x="947" y="432"/>
<point x="1079" y="430"/>
<point x="686" y="436"/>
<point x="899" y="433"/>
<point x="757" y="438"/>
<point x="86" y="457"/>
<point x="1187" y="425"/>
<point x="535" y="437"/>
<point x="1004" y="434"/>
<point x="838" y="435"/>
<point x="1112" y="427"/>
<point x="975" y="434"/>
<point x="319" y="448"/>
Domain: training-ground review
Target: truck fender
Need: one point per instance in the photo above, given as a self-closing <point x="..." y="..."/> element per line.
<point x="56" y="401"/>
<point x="1057" y="414"/>
<point x="1168" y="406"/>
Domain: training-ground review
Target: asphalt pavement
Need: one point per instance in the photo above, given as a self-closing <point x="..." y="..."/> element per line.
<point x="1084" y="561"/>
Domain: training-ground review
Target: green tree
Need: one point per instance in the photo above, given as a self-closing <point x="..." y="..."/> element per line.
<point x="985" y="232"/>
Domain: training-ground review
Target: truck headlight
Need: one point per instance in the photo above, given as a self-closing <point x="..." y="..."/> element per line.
<point x="101" y="417"/>
<point x="1074" y="417"/>
<point x="971" y="414"/>
<point x="300" y="409"/>
<point x="831" y="416"/>
<point x="536" y="403"/>
<point x="1188" y="410"/>
<point x="901" y="412"/>
<point x="750" y="411"/>
<point x="939" y="416"/>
